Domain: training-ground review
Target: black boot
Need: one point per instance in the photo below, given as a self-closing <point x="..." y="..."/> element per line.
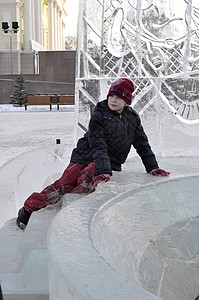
<point x="23" y="218"/>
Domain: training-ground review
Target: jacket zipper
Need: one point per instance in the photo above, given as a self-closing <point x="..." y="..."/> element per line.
<point x="125" y="127"/>
<point x="121" y="127"/>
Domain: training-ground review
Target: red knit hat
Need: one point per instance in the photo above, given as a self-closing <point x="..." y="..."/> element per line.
<point x="123" y="88"/>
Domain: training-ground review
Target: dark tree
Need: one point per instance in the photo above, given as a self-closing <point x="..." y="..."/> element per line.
<point x="19" y="96"/>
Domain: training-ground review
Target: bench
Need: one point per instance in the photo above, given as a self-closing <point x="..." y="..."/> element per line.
<point x="66" y="100"/>
<point x="50" y="100"/>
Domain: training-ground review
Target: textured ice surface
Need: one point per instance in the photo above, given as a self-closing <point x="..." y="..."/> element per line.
<point x="132" y="214"/>
<point x="150" y="236"/>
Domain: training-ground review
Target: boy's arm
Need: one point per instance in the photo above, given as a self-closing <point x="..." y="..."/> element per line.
<point x="98" y="144"/>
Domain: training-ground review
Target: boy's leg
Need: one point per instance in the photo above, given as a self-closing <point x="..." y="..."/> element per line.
<point x="75" y="175"/>
<point x="84" y="180"/>
<point x="52" y="193"/>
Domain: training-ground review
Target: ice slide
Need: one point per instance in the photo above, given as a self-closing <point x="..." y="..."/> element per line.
<point x="133" y="238"/>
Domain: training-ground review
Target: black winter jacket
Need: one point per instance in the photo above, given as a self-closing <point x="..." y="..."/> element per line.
<point x="109" y="140"/>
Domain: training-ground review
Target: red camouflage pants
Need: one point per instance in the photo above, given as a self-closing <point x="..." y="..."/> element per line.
<point x="75" y="179"/>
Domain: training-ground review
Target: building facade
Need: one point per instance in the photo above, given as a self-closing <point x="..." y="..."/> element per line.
<point x="41" y="27"/>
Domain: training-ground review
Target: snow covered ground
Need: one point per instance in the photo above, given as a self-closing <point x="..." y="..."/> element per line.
<point x="22" y="131"/>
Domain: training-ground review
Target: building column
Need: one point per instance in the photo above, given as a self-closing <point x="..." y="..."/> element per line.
<point x="61" y="32"/>
<point x="33" y="18"/>
<point x="27" y="24"/>
<point x="56" y="27"/>
<point x="63" y="35"/>
<point x="50" y="26"/>
<point x="58" y="30"/>
<point x="54" y="33"/>
<point x="38" y="22"/>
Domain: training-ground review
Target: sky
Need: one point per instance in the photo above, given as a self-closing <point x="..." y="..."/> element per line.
<point x="71" y="19"/>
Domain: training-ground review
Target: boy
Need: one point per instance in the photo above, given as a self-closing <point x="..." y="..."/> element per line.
<point x="113" y="129"/>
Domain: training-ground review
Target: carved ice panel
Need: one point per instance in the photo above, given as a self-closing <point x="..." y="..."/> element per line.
<point x="156" y="45"/>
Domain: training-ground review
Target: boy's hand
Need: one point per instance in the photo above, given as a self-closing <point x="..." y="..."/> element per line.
<point x="156" y="172"/>
<point x="97" y="179"/>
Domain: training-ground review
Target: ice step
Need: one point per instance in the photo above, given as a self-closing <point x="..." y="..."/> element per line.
<point x="11" y="238"/>
<point x="15" y="243"/>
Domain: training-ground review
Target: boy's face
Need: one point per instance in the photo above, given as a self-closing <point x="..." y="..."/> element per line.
<point x="116" y="103"/>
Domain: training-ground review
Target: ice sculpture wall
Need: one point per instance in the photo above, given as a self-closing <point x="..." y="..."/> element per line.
<point x="155" y="43"/>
